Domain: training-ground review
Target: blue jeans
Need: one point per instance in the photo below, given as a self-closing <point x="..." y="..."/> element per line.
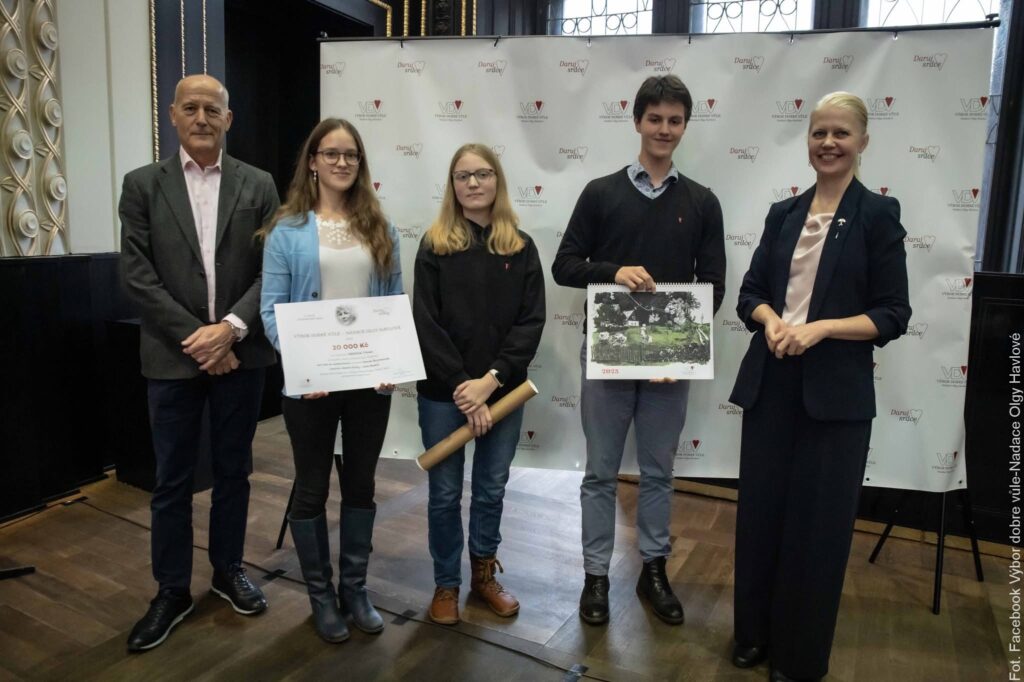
<point x="657" y="412"/>
<point x="491" y="462"/>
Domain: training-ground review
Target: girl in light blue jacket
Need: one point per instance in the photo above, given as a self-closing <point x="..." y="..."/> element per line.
<point x="330" y="240"/>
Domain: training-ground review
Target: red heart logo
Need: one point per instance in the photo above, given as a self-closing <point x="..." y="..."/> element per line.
<point x="798" y="102"/>
<point x="623" y="103"/>
<point x="376" y="186"/>
<point x="974" y="192"/>
<point x="967" y="281"/>
<point x="538" y="189"/>
<point x="539" y="104"/>
<point x="984" y="100"/>
<point x="530" y="434"/>
<point x="458" y="104"/>
<point x="963" y="369"/>
<point x="696" y="444"/>
<point x="376" y="104"/>
<point x="884" y="190"/>
<point x="888" y="101"/>
<point x="794" y="189"/>
<point x="711" y="104"/>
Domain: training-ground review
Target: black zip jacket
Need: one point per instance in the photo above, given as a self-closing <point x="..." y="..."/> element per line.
<point x="476" y="311"/>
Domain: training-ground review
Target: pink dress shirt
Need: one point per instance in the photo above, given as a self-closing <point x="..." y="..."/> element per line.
<point x="203" y="194"/>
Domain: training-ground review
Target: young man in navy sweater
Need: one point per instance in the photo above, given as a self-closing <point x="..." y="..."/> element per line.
<point x="643" y="224"/>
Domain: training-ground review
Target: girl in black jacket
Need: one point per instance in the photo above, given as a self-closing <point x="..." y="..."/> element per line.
<point x="478" y="302"/>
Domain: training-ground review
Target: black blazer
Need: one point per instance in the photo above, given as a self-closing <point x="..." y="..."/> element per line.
<point x="162" y="265"/>
<point x="863" y="270"/>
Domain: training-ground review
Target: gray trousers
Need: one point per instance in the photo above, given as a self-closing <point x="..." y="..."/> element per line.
<point x="658" y="412"/>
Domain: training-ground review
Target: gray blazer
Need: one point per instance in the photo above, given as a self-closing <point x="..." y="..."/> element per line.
<point x="162" y="266"/>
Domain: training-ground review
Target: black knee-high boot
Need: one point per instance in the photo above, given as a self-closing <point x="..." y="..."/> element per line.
<point x="356" y="534"/>
<point x="314" y="553"/>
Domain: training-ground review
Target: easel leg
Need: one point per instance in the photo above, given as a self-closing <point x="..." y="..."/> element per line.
<point x="284" y="521"/>
<point x="17" y="571"/>
<point x="888" y="527"/>
<point x="939" y="551"/>
<point x="965" y="504"/>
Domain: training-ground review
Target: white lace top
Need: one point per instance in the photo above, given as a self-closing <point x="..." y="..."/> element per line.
<point x="345" y="263"/>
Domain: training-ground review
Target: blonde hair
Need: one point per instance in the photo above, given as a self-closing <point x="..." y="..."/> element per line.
<point x="848" y="102"/>
<point x="450" y="232"/>
<point x="366" y="219"/>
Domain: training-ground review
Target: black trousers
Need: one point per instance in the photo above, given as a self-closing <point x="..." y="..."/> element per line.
<point x="175" y="413"/>
<point x="312" y="425"/>
<point x="798" y="492"/>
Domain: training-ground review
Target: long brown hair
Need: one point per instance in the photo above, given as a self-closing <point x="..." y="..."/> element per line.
<point x="366" y="219"/>
<point x="450" y="233"/>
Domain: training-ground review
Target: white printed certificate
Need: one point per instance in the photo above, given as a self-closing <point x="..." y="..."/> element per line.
<point x="347" y="344"/>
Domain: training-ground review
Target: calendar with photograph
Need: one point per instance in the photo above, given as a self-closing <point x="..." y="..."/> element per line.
<point x="650" y="335"/>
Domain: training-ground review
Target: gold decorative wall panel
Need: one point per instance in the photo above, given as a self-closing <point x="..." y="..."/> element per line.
<point x="33" y="191"/>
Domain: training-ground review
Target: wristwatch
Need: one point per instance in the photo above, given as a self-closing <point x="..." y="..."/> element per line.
<point x="236" y="331"/>
<point x="494" y="373"/>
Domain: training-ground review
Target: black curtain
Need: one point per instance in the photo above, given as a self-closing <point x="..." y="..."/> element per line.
<point x="1003" y="248"/>
<point x="273" y="76"/>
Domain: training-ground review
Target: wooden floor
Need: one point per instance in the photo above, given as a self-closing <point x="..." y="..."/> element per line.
<point x="71" y="618"/>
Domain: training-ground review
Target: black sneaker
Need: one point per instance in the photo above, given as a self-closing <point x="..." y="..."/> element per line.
<point x="594" y="599"/>
<point x="235" y="586"/>
<point x="165" y="611"/>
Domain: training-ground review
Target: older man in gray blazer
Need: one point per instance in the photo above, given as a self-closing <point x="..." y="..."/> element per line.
<point x="191" y="265"/>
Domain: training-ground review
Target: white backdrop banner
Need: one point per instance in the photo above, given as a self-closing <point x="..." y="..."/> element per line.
<point x="558" y="111"/>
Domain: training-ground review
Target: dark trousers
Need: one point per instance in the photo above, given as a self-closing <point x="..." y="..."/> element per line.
<point x="175" y="414"/>
<point x="798" y="491"/>
<point x="312" y="425"/>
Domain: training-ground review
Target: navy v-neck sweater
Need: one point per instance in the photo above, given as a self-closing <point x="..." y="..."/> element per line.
<point x="676" y="237"/>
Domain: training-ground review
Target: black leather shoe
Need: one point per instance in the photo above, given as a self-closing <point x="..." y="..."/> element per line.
<point x="653" y="586"/>
<point x="235" y="586"/>
<point x="748" y="656"/>
<point x="594" y="599"/>
<point x="778" y="676"/>
<point x="165" y="611"/>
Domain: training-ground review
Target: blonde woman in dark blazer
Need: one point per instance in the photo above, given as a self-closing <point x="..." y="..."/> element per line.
<point x="827" y="282"/>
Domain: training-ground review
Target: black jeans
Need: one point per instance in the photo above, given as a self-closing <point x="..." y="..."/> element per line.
<point x="175" y="412"/>
<point x="312" y="425"/>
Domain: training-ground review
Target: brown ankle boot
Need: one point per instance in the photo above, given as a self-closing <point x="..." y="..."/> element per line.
<point x="444" y="607"/>
<point x="501" y="601"/>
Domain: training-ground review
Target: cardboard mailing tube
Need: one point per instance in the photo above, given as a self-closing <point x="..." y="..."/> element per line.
<point x="462" y="435"/>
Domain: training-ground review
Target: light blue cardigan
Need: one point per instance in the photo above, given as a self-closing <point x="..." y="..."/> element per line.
<point x="291" y="270"/>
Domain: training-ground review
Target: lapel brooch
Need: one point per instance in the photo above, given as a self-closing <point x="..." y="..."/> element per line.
<point x="840" y="223"/>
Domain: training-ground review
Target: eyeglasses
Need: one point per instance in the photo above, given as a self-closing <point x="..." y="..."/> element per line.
<point x="333" y="156"/>
<point x="482" y="175"/>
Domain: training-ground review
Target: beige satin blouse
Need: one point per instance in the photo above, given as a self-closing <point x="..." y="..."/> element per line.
<point x="804" y="267"/>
